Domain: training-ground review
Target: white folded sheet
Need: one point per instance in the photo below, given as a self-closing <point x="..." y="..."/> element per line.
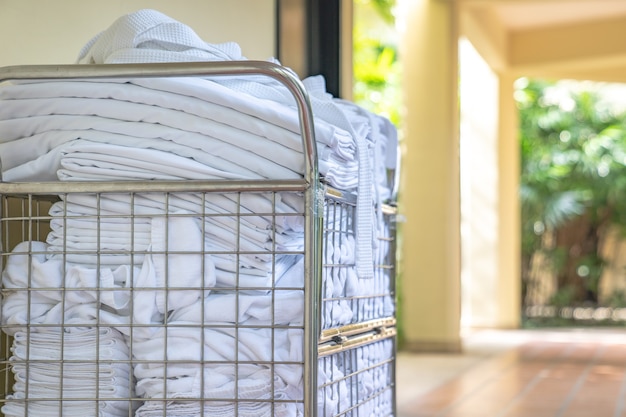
<point x="113" y="163"/>
<point x="260" y="211"/>
<point x="74" y="364"/>
<point x="280" y="307"/>
<point x="69" y="292"/>
<point x="223" y="232"/>
<point x="280" y="154"/>
<point x="197" y="96"/>
<point x="24" y="121"/>
<point x="98" y="161"/>
<point x="227" y="352"/>
<point x="53" y="134"/>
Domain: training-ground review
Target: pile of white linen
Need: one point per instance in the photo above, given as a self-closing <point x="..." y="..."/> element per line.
<point x="187" y="342"/>
<point x="196" y="282"/>
<point x="59" y="368"/>
<point x="234" y="346"/>
<point x="204" y="224"/>
<point x="93" y="363"/>
<point x="239" y="127"/>
<point x="171" y="133"/>
<point x="201" y="360"/>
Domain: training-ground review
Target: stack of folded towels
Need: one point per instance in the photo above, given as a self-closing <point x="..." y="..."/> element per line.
<point x="163" y="279"/>
<point x="60" y="369"/>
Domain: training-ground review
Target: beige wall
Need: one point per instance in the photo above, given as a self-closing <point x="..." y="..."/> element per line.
<point x="491" y="281"/>
<point x="53" y="32"/>
<point x="479" y="189"/>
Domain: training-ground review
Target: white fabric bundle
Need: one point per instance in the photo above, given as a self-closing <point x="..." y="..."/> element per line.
<point x="149" y="36"/>
<point x="186" y="347"/>
<point x="183" y="375"/>
<point x="113" y="229"/>
<point x="236" y="114"/>
<point x="253" y="148"/>
<point x="70" y="292"/>
<point x="72" y="364"/>
<point x="157" y="38"/>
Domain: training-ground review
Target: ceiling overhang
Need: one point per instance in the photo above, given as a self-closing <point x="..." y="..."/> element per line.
<point x="583" y="39"/>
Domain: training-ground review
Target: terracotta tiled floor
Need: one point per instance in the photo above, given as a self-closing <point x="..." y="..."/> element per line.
<point x="519" y="374"/>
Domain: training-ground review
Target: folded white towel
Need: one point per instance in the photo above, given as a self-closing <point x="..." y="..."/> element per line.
<point x="173" y="275"/>
<point x="72" y="364"/>
<point x="278" y="308"/>
<point x="171" y="360"/>
<point x="263" y="407"/>
<point x="225" y="234"/>
<point x="182" y="342"/>
<point x="72" y="343"/>
<point x="14" y="406"/>
<point x="282" y="156"/>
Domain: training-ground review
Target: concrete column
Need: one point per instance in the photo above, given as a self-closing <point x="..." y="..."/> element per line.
<point x="429" y="195"/>
<point x="509" y="231"/>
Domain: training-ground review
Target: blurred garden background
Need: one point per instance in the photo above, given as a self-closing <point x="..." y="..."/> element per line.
<point x="572" y="181"/>
<point x="573" y="195"/>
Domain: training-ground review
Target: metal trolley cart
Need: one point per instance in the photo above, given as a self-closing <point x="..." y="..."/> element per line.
<point x="93" y="326"/>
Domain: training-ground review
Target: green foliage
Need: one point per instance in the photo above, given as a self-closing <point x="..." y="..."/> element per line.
<point x="376" y="63"/>
<point x="385" y="9"/>
<point x="589" y="269"/>
<point x="617" y="299"/>
<point x="564" y="297"/>
<point x="573" y="155"/>
<point x="573" y="163"/>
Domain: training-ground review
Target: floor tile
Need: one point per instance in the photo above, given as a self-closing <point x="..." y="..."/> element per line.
<point x="544" y="374"/>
